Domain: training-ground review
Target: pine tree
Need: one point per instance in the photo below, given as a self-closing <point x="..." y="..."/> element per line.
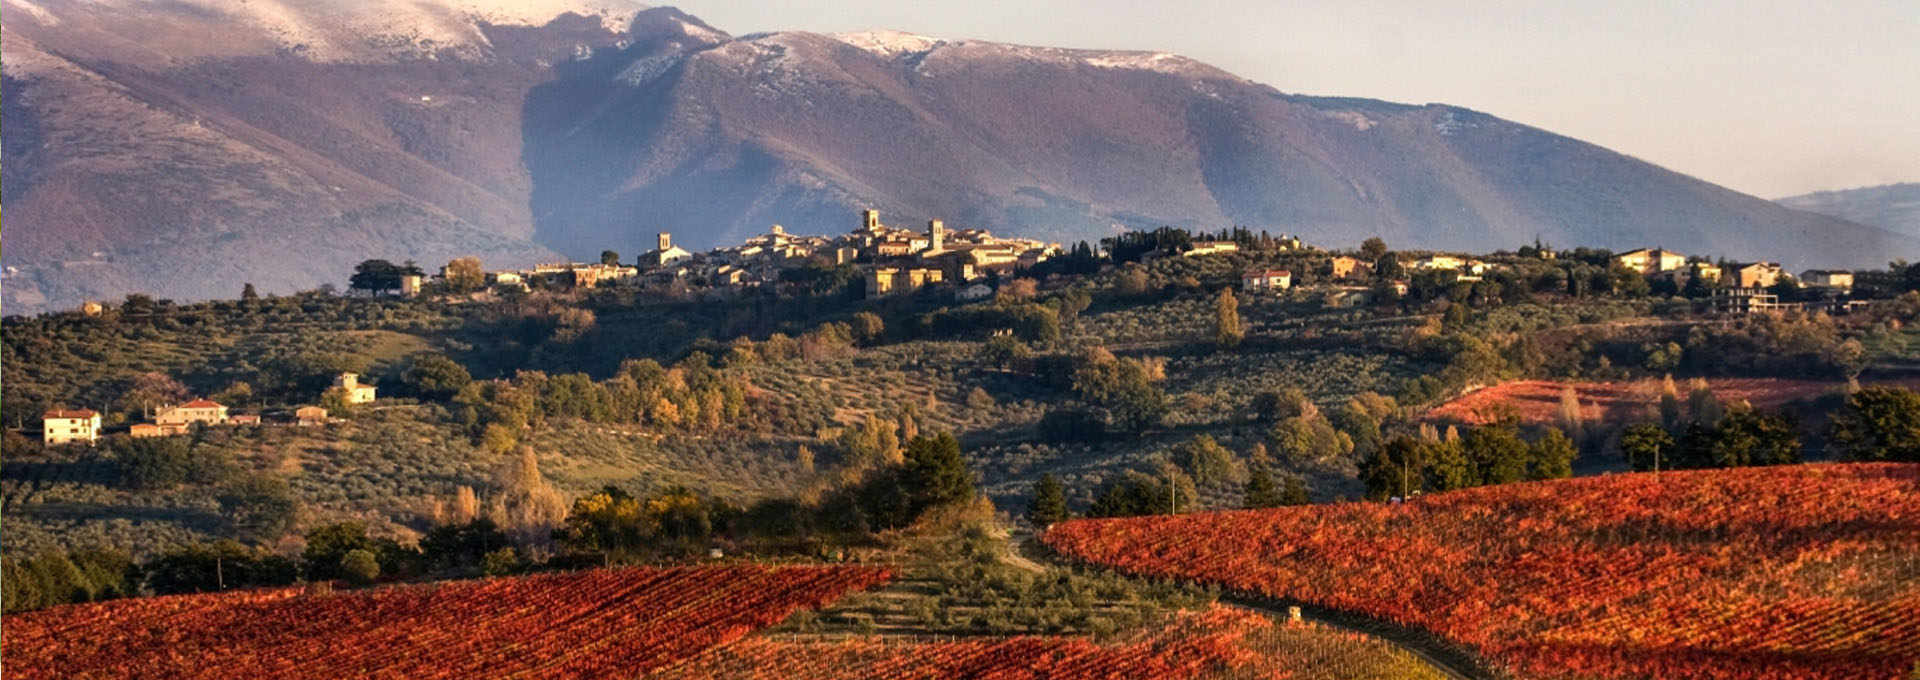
<point x="1553" y="455"/>
<point x="1295" y="492"/>
<point x="935" y="472"/>
<point x="248" y="293"/>
<point x="1049" y="504"/>
<point x="1261" y="491"/>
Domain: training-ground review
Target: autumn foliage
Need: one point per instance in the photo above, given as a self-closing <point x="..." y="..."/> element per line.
<point x="591" y="624"/>
<point x="1806" y="572"/>
<point x="1187" y="645"/>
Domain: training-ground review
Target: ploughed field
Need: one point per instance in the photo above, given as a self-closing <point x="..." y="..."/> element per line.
<point x="1219" y="643"/>
<point x="609" y="623"/>
<point x="1809" y="571"/>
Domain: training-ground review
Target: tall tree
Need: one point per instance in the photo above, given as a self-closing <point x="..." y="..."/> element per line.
<point x="379" y="276"/>
<point x="1647" y="446"/>
<point x="1262" y="492"/>
<point x="935" y="471"/>
<point x="1745" y="437"/>
<point x="1049" y="503"/>
<point x="1879" y="423"/>
<point x="465" y="275"/>
<point x="1498" y="453"/>
<point x="609" y="257"/>
<point x="1226" y="320"/>
<point x="1373" y="248"/>
<point x="1394" y="469"/>
<point x="1553" y="455"/>
<point x="248" y="293"/>
<point x="1295" y="491"/>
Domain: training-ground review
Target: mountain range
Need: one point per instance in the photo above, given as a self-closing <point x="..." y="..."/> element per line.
<point x="185" y="147"/>
<point x="1895" y="207"/>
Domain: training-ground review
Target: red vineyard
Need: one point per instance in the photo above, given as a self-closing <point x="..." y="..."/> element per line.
<point x="1804" y="572"/>
<point x="591" y="624"/>
<point x="1188" y="645"/>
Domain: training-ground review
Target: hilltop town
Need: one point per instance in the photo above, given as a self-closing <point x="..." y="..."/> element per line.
<point x="889" y="260"/>
<point x="875" y="261"/>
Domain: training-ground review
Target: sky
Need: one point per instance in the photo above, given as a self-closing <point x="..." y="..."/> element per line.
<point x="1769" y="98"/>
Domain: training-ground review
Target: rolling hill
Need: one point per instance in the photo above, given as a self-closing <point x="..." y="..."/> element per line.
<point x="184" y="148"/>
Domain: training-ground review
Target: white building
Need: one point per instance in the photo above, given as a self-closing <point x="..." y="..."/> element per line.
<point x="667" y="253"/>
<point x="61" y="426"/>
<point x="1266" y="280"/>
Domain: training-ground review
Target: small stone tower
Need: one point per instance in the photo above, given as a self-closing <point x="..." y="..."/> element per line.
<point x="936" y="235"/>
<point x="871" y="219"/>
<point x="666" y="241"/>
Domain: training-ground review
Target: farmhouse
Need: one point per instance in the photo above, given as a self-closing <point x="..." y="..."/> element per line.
<point x="1210" y="248"/>
<point x="1266" y="280"/>
<point x="1827" y="278"/>
<point x="410" y="285"/>
<point x="1650" y="260"/>
<point x="62" y="426"/>
<point x="203" y="411"/>
<point x="978" y="291"/>
<point x="1757" y="275"/>
<point x="356" y="393"/>
<point x="1344" y="266"/>
<point x="146" y="430"/>
<point x="310" y="415"/>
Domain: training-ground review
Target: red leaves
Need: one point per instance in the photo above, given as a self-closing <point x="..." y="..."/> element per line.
<point x="589" y="624"/>
<point x="1758" y="573"/>
<point x="1185" y="647"/>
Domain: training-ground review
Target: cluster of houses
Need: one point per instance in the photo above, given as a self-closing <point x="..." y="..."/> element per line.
<point x="1747" y="286"/>
<point x="68" y="426"/>
<point x="1681" y="268"/>
<point x="1344" y="271"/>
<point x="1737" y="289"/>
<point x="891" y="259"/>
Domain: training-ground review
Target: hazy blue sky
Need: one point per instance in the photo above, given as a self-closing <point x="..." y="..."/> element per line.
<point x="1770" y="98"/>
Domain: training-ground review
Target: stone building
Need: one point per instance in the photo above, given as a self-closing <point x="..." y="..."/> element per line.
<point x="356" y="392"/>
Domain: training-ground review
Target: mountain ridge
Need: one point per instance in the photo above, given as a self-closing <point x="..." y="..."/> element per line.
<point x="1894" y="207"/>
<point x="280" y="158"/>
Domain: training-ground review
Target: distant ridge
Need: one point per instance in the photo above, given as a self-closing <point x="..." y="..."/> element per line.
<point x="185" y="148"/>
<point x="1894" y="207"/>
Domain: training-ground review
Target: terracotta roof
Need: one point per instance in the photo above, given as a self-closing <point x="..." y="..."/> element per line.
<point x="1269" y="272"/>
<point x="201" y="403"/>
<point x="74" y="413"/>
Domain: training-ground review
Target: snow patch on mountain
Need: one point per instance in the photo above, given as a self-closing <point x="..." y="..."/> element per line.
<point x="645" y="70"/>
<point x="38" y="13"/>
<point x="339" y="31"/>
<point x="1164" y="62"/>
<point x="888" y="43"/>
